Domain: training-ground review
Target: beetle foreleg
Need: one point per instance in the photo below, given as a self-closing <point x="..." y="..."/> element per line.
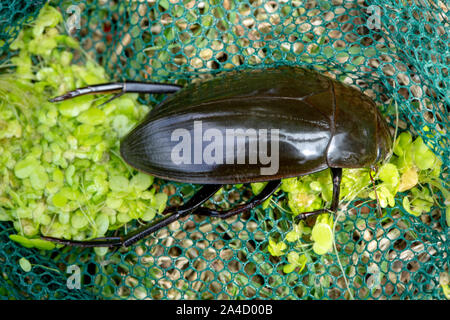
<point x="336" y="174"/>
<point x="268" y="190"/>
<point x="196" y="201"/>
<point x="119" y="88"/>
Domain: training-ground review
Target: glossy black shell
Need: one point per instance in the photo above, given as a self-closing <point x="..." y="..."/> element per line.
<point x="321" y="123"/>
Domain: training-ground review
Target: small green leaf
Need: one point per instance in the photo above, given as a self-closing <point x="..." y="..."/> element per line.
<point x="389" y="174"/>
<point x="113" y="203"/>
<point x="22" y="240"/>
<point x="101" y="251"/>
<point x="32" y="243"/>
<point x="408" y="180"/>
<point x="39" y="178"/>
<point x="123" y="217"/>
<point x="102" y="223"/>
<point x="295" y="234"/>
<point x="164" y="4"/>
<point x="288" y="268"/>
<point x="42" y="244"/>
<point x="25" y="168"/>
<point x="401" y="143"/>
<point x="25" y="264"/>
<point x="257" y="187"/>
<point x="320" y="249"/>
<point x="407" y="206"/>
<point x="59" y="200"/>
<point x="118" y="183"/>
<point x="276" y="249"/>
<point x="92" y="116"/>
<point x="141" y="182"/>
<point x="79" y="220"/>
<point x="159" y="201"/>
<point x="292" y="236"/>
<point x="73" y="107"/>
<point x="322" y="235"/>
<point x="149" y="214"/>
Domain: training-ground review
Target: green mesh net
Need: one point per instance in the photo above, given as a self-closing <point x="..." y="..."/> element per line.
<point x="13" y="15"/>
<point x="393" y="51"/>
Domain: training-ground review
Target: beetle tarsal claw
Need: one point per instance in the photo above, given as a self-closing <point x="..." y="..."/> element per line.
<point x="62" y="97"/>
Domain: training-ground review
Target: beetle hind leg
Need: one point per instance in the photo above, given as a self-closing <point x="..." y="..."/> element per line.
<point x="337" y="177"/>
<point x="172" y="214"/>
<point x="98" y="242"/>
<point x="268" y="190"/>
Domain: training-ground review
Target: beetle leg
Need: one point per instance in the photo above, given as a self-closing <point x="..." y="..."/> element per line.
<point x="268" y="190"/>
<point x="337" y="177"/>
<point x="98" y="242"/>
<point x="196" y="201"/>
<point x="119" y="88"/>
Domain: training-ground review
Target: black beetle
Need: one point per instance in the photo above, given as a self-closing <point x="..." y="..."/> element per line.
<point x="214" y="132"/>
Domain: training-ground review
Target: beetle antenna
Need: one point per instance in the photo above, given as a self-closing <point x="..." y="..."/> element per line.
<point x="375" y="190"/>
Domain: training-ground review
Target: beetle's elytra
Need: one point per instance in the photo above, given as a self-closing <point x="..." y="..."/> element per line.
<point x="321" y="123"/>
<point x="314" y="122"/>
